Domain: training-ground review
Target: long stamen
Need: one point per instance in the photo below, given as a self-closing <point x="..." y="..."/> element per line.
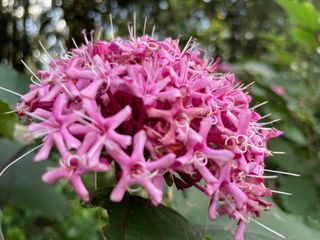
<point x="186" y="46"/>
<point x="96" y="147"/>
<point x="84" y="34"/>
<point x="282" y="172"/>
<point x="265" y="116"/>
<point x="267" y="228"/>
<point x="29" y="69"/>
<point x="111" y="24"/>
<point x="34" y="82"/>
<point x="267" y="123"/>
<point x="280" y="192"/>
<point x="234" y="209"/>
<point x="74" y="42"/>
<point x="249" y="85"/>
<point x="85" y="117"/>
<point x="10" y="112"/>
<point x="130" y="30"/>
<point x="144" y="26"/>
<point x="259" y="105"/>
<point x="66" y="89"/>
<point x="19" y="158"/>
<point x="278" y="152"/>
<point x="257" y="176"/>
<point x="10" y="91"/>
<point x="43" y="133"/>
<point x="153" y="30"/>
<point x="62" y="47"/>
<point x="134" y="25"/>
<point x="37" y="117"/>
<point x="134" y="190"/>
<point x="45" y="50"/>
<point x="99" y="32"/>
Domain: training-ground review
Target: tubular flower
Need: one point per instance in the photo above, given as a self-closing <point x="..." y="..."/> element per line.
<point x="158" y="113"/>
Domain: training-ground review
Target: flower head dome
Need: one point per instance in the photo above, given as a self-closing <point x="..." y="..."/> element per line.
<point x="157" y="112"/>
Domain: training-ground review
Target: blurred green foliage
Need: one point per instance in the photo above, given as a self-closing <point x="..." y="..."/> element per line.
<point x="274" y="43"/>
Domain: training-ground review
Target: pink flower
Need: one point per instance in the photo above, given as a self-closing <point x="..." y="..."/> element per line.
<point x="279" y="90"/>
<point x="74" y="165"/>
<point x="184" y="119"/>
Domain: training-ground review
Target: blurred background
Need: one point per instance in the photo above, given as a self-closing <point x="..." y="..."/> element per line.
<point x="275" y="43"/>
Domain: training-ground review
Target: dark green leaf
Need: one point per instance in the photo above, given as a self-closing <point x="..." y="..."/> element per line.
<point x="304" y="198"/>
<point x="136" y="218"/>
<point x="7" y="121"/>
<point x="14" y="81"/>
<point x="21" y="184"/>
<point x="1" y="235"/>
<point x="194" y="206"/>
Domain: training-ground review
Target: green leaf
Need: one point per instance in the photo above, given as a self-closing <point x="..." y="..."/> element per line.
<point x="136" y="218"/>
<point x="303" y="14"/>
<point x="304" y="199"/>
<point x="193" y="205"/>
<point x="21" y="185"/>
<point x="307" y="39"/>
<point x="7" y="121"/>
<point x="1" y="235"/>
<point x="12" y="80"/>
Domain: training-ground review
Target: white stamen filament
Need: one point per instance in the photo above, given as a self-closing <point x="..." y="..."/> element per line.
<point x="267" y="228"/>
<point x="111" y="24"/>
<point x="278" y="152"/>
<point x="282" y="172"/>
<point x="74" y="42"/>
<point x="144" y="26"/>
<point x="34" y="82"/>
<point x="96" y="147"/>
<point x="10" y="91"/>
<point x="186" y="46"/>
<point x="99" y="32"/>
<point x="37" y="117"/>
<point x="83" y="121"/>
<point x="234" y="209"/>
<point x="65" y="88"/>
<point x="10" y="112"/>
<point x="262" y="128"/>
<point x="259" y="105"/>
<point x="280" y="192"/>
<point x="265" y="116"/>
<point x="84" y="33"/>
<point x="153" y="30"/>
<point x="245" y="87"/>
<point x="29" y="69"/>
<point x="133" y="190"/>
<point x="267" y="123"/>
<point x="257" y="176"/>
<point x="19" y="158"/>
<point x="62" y="47"/>
<point x="45" y="50"/>
<point x="134" y="25"/>
<point x="130" y="30"/>
<point x="153" y="174"/>
<point x="85" y="117"/>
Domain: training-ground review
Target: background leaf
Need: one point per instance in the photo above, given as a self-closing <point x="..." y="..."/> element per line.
<point x="194" y="206"/>
<point x="21" y="184"/>
<point x="303" y="14"/>
<point x="7" y="121"/>
<point x="1" y="235"/>
<point x="12" y="80"/>
<point x="136" y="218"/>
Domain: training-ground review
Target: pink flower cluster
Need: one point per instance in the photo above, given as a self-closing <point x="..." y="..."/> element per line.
<point x="156" y="112"/>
